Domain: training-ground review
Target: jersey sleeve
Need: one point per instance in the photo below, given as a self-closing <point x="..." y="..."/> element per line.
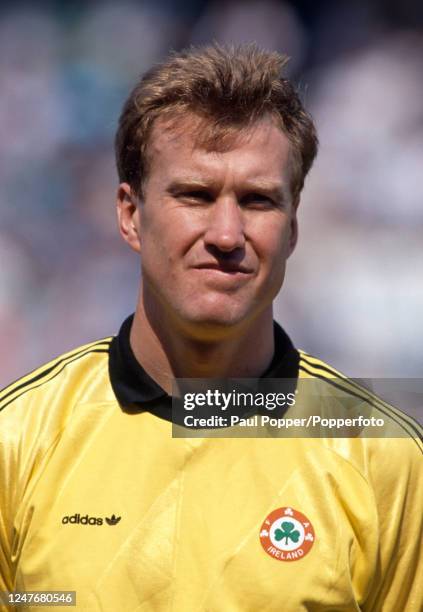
<point x="21" y="446"/>
<point x="396" y="473"/>
<point x="7" y="482"/>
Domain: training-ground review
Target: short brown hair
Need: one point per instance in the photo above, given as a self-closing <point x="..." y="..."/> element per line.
<point x="228" y="87"/>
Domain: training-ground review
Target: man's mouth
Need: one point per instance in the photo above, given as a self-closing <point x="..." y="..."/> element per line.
<point x="226" y="267"/>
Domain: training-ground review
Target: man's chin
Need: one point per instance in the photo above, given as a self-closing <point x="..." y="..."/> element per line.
<point x="213" y="325"/>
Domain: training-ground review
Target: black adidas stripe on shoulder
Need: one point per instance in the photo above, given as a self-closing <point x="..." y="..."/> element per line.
<point x="49" y="371"/>
<point x="324" y="368"/>
<point x="319" y="365"/>
<point x="340" y="381"/>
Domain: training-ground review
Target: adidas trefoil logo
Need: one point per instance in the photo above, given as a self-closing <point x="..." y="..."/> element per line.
<point x="113" y="520"/>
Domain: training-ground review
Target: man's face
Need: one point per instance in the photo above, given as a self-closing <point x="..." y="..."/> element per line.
<point x="214" y="228"/>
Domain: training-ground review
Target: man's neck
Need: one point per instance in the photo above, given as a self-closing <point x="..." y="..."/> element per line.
<point x="166" y="353"/>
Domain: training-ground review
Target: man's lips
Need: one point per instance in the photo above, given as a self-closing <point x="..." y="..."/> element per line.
<point x="227" y="267"/>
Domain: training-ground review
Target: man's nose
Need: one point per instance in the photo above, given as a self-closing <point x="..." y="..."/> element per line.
<point x="225" y="230"/>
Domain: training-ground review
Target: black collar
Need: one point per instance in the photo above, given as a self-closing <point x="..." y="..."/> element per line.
<point x="136" y="391"/>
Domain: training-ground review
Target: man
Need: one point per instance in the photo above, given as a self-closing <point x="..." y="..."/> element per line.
<point x="97" y="497"/>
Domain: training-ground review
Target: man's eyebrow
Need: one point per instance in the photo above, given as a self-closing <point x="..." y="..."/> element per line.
<point x="210" y="182"/>
<point x="190" y="183"/>
<point x="263" y="184"/>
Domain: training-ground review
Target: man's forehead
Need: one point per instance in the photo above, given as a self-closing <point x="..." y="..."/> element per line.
<point x="199" y="140"/>
<point x="188" y="128"/>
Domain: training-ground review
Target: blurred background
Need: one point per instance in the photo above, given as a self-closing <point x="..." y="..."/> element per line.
<point x="354" y="290"/>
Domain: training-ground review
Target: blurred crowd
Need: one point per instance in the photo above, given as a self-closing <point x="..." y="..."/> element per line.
<point x="354" y="290"/>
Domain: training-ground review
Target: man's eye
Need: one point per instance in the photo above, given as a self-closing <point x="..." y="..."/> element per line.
<point x="196" y="196"/>
<point x="258" y="199"/>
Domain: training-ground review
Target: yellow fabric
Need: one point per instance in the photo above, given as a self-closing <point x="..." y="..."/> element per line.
<point x="191" y="509"/>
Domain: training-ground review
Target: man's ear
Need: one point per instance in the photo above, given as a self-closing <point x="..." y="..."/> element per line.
<point x="128" y="215"/>
<point x="293" y="238"/>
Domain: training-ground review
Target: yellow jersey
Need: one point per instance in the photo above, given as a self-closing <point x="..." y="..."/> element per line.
<point x="97" y="497"/>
